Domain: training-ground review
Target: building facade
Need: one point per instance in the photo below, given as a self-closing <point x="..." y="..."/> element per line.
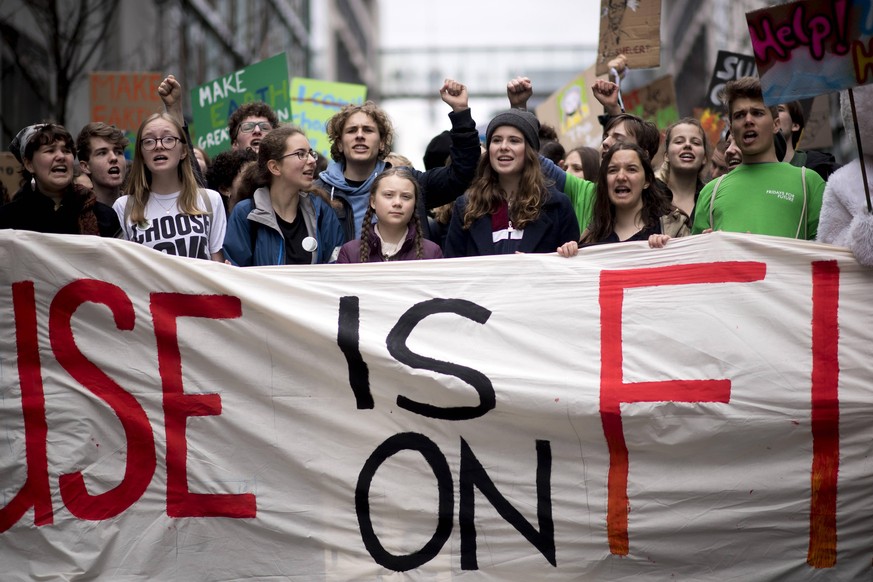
<point x="196" y="40"/>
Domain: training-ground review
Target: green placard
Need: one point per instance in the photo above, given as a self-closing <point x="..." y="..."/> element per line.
<point x="313" y="102"/>
<point x="215" y="101"/>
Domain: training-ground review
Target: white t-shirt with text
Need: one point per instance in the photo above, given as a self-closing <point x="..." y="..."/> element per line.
<point x="168" y="230"/>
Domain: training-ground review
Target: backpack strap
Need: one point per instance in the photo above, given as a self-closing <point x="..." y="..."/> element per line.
<point x="712" y="200"/>
<point x="207" y="203"/>
<point x="804" y="210"/>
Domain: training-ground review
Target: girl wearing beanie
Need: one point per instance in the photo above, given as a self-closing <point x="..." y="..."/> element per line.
<point x="510" y="207"/>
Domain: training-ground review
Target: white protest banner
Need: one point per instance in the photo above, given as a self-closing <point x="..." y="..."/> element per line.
<point x="700" y="412"/>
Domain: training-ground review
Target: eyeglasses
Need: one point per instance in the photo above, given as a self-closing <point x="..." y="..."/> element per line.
<point x="168" y="142"/>
<point x="301" y="154"/>
<point x="249" y="126"/>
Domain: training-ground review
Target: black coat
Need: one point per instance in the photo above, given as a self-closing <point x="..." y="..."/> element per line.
<point x="555" y="226"/>
<point x="34" y="211"/>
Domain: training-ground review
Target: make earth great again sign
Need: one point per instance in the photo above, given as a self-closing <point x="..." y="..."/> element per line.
<point x="700" y="412"/>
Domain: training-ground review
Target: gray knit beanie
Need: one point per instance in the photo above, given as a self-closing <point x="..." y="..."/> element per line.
<point x="524" y="121"/>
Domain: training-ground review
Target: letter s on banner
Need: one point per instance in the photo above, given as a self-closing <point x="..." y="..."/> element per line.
<point x="396" y="343"/>
<point x="140" y="463"/>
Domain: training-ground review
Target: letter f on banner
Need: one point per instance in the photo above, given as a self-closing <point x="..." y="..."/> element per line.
<point x="614" y="391"/>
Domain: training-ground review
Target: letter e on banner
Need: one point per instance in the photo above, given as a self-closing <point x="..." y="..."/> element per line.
<point x="166" y="308"/>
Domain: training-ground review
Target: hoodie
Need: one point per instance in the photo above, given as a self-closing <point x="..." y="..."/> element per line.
<point x="354" y="198"/>
<point x="438" y="185"/>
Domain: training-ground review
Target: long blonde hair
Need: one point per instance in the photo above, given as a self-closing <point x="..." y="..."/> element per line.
<point x="140" y="179"/>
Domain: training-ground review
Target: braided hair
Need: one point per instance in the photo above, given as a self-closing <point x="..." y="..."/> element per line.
<point x="367" y="223"/>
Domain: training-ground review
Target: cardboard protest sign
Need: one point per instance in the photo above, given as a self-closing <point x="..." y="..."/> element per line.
<point x="314" y="102"/>
<point x="124" y="99"/>
<point x="174" y="419"/>
<point x="655" y="102"/>
<point x="812" y="47"/>
<point x="728" y="67"/>
<point x="712" y="121"/>
<point x="817" y="134"/>
<point x="573" y="111"/>
<point x="631" y="28"/>
<point x="10" y="173"/>
<point x="215" y="101"/>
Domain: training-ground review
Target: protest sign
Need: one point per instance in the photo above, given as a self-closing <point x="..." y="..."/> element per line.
<point x="314" y="102"/>
<point x="817" y="134"/>
<point x="812" y="47"/>
<point x="712" y="121"/>
<point x="10" y="173"/>
<point x="728" y="67"/>
<point x="699" y="412"/>
<point x="631" y="28"/>
<point x="214" y="102"/>
<point x="655" y="102"/>
<point x="124" y="99"/>
<point x="573" y="111"/>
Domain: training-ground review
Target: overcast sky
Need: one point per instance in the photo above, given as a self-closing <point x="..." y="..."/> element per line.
<point x="472" y="23"/>
<point x="444" y="23"/>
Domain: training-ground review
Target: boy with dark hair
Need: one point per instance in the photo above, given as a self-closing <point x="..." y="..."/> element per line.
<point x="761" y="195"/>
<point x="791" y="125"/>
<point x="249" y="124"/>
<point x="100" y="150"/>
<point x="225" y="176"/>
<point x="625" y="127"/>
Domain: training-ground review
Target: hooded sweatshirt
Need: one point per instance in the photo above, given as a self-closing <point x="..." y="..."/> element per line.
<point x="358" y="197"/>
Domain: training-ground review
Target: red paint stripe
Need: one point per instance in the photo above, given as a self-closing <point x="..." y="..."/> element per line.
<point x="825" y="415"/>
<point x="613" y="390"/>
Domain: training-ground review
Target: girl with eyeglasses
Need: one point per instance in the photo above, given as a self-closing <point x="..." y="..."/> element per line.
<point x="164" y="208"/>
<point x="284" y="222"/>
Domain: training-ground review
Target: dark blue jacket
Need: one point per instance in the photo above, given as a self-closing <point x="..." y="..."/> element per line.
<point x="555" y="226"/>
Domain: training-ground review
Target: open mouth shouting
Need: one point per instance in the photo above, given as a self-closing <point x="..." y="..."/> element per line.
<point x="749" y="136"/>
<point x="621" y="190"/>
<point x="60" y="170"/>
